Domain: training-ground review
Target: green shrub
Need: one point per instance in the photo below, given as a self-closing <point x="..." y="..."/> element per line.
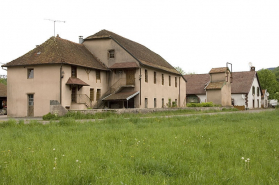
<point x="206" y="104"/>
<point x="49" y="116"/>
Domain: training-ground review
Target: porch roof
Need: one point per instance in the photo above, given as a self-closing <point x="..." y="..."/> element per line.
<point x="76" y="81"/>
<point x="121" y="96"/>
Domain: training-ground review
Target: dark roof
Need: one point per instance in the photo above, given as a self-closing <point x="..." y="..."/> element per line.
<point x="124" y="65"/>
<point x="242" y="81"/>
<point x="121" y="96"/>
<point x="3" y="90"/>
<point x="218" y="70"/>
<point x="141" y="53"/>
<point x="76" y="81"/>
<point x="215" y="85"/>
<point x="56" y="51"/>
<point x="196" y="83"/>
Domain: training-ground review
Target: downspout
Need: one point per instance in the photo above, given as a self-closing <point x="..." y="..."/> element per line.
<point x="179" y="93"/>
<point x="140" y="86"/>
<point x="61" y="76"/>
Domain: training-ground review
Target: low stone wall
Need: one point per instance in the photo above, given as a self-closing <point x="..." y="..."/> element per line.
<point x="144" y="111"/>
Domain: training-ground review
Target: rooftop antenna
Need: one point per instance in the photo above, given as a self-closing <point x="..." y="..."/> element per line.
<point x="54" y="21"/>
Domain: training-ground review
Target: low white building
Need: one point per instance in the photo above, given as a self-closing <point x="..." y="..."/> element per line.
<point x="246" y="90"/>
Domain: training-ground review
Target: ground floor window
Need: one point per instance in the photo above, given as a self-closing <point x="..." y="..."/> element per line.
<point x="155" y="103"/>
<point x="92" y="94"/>
<point x="98" y="94"/>
<point x="163" y="102"/>
<point x="146" y="103"/>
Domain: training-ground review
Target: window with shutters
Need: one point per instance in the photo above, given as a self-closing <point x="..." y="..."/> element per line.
<point x="98" y="94"/>
<point x="92" y="94"/>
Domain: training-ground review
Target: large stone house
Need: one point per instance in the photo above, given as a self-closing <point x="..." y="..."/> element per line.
<point x="104" y="70"/>
<point x="245" y="88"/>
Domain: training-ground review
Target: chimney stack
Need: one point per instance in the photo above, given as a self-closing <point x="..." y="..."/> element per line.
<point x="252" y="68"/>
<point x="80" y="39"/>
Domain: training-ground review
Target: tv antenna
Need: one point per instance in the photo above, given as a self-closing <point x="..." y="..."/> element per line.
<point x="54" y="21"/>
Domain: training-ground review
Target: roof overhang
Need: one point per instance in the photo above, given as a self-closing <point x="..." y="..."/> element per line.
<point x="121" y="96"/>
<point x="76" y="82"/>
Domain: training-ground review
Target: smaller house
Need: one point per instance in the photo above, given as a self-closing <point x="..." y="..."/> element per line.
<point x="245" y="88"/>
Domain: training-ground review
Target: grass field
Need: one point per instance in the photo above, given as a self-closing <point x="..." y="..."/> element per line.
<point x="199" y="149"/>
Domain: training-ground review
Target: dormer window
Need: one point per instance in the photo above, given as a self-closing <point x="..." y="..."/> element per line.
<point x="111" y="53"/>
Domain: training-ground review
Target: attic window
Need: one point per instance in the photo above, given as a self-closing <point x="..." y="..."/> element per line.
<point x="111" y="54"/>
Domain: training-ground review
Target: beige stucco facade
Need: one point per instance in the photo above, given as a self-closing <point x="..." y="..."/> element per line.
<point x="44" y="86"/>
<point x="220" y="95"/>
<point x="49" y="82"/>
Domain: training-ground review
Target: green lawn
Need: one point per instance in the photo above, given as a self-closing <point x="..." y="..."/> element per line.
<point x="199" y="149"/>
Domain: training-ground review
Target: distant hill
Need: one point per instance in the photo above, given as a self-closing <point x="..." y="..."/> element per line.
<point x="271" y="68"/>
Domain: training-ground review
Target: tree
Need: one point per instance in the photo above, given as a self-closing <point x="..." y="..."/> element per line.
<point x="179" y="69"/>
<point x="3" y="81"/>
<point x="268" y="81"/>
<point x="276" y="72"/>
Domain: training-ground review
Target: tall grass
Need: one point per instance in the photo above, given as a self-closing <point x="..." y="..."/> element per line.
<point x="180" y="150"/>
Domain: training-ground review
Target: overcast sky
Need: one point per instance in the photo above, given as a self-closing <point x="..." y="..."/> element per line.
<point x="195" y="35"/>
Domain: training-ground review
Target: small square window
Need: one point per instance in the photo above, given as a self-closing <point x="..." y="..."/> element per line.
<point x="111" y="54"/>
<point x="30" y="73"/>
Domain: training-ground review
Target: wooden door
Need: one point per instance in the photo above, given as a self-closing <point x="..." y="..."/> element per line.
<point x="130" y="77"/>
<point x="30" y="112"/>
<point x="74" y="92"/>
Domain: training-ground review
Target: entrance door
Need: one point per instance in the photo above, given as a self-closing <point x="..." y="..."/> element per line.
<point x="74" y="94"/>
<point x="30" y="112"/>
<point x="130" y="77"/>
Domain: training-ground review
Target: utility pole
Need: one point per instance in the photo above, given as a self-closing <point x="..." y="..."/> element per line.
<point x="54" y="21"/>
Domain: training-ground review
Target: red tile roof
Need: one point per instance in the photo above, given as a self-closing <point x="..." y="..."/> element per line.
<point x="218" y="70"/>
<point x="215" y="85"/>
<point x="56" y="51"/>
<point x="144" y="55"/>
<point x="242" y="81"/>
<point x="76" y="81"/>
<point x="196" y="83"/>
<point x="124" y="65"/>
